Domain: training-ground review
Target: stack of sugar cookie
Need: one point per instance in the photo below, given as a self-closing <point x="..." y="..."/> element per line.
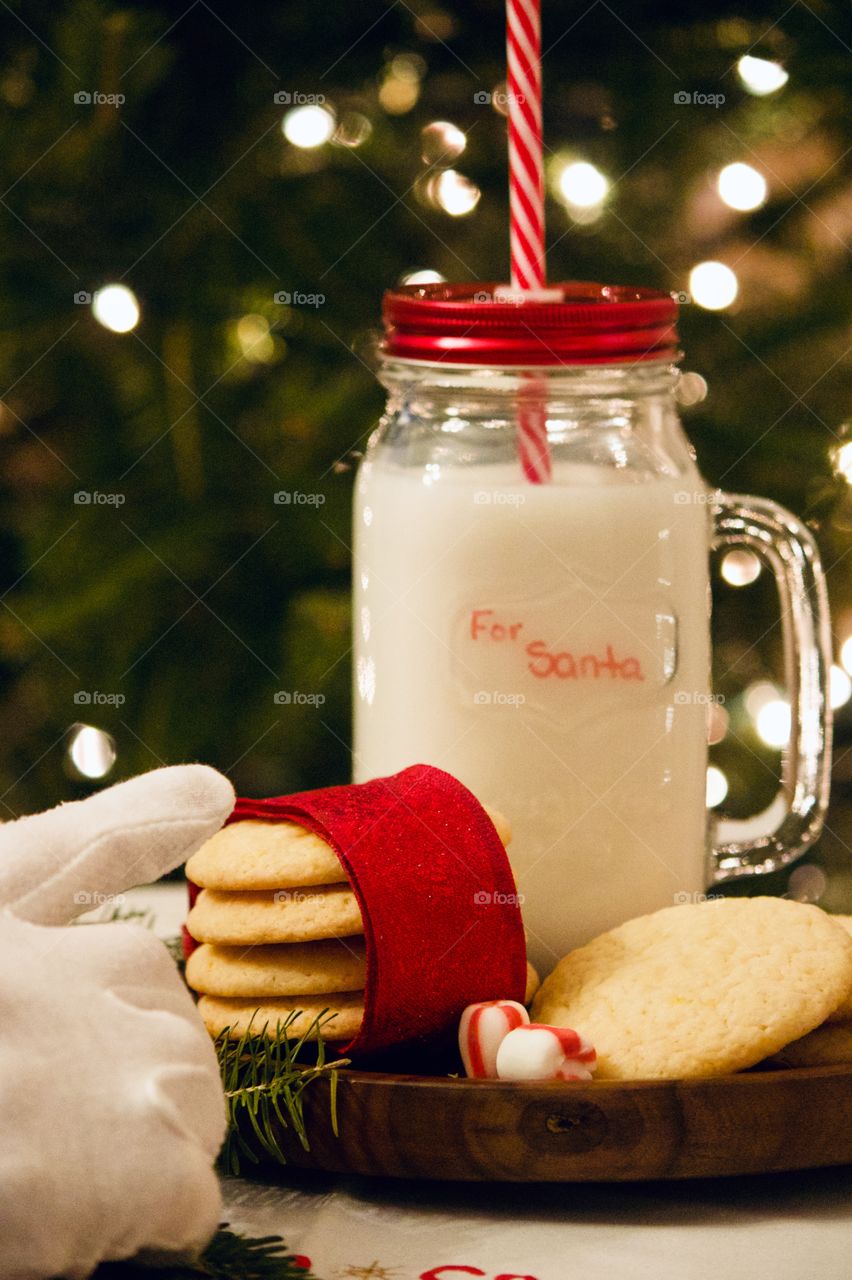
<point x="281" y="932"/>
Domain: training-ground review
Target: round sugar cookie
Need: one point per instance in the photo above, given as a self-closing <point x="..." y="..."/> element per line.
<point x="843" y="1013"/>
<point x="700" y="989"/>
<point x="252" y="855"/>
<point x="342" y="1014"/>
<point x="826" y="1046"/>
<point x="282" y="915"/>
<point x="269" y="972"/>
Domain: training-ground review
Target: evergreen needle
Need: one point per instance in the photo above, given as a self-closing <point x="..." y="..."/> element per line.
<point x="264" y="1082"/>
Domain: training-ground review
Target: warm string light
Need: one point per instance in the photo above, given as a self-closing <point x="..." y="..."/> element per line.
<point x="308" y="126"/>
<point x="400" y="86"/>
<point x="352" y="131"/>
<point x="843" y="461"/>
<point x="807" y="883"/>
<point x="742" y="187"/>
<point x="91" y="752"/>
<point x="740" y="568"/>
<point x="773" y="723"/>
<point x="583" y="185"/>
<point x="580" y="187"/>
<point x="713" y="285"/>
<point x="772" y="714"/>
<point x="454" y="193"/>
<point x="757" y="696"/>
<point x="691" y="388"/>
<point x="255" y="340"/>
<point x="761" y="76"/>
<point x="116" y="307"/>
<point x="441" y="142"/>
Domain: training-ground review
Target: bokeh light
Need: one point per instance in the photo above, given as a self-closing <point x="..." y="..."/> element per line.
<point x="116" y="307"/>
<point x="760" y="693"/>
<point x="773" y="723"/>
<point x="441" y="142"/>
<point x="713" y="285"/>
<point x="454" y="193"/>
<point x="91" y="751"/>
<point x="843" y="461"/>
<point x="352" y="130"/>
<point x="717" y="786"/>
<point x="309" y="126"/>
<point x="400" y="87"/>
<point x="742" y="187"/>
<point x="255" y="341"/>
<point x="408" y="66"/>
<point x="761" y="75"/>
<point x="435" y="24"/>
<point x="423" y="277"/>
<point x="583" y="185"/>
<point x="839" y="688"/>
<point x="807" y="883"/>
<point x="691" y="388"/>
<point x="740" y="568"/>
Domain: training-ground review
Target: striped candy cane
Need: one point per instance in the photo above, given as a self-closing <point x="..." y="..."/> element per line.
<point x="526" y="208"/>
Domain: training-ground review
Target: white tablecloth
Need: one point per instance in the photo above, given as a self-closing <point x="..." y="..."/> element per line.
<point x="778" y="1227"/>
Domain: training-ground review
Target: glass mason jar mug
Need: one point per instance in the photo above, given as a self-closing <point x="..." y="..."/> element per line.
<point x="531" y="599"/>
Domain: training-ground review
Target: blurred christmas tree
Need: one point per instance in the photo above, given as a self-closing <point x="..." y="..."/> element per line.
<point x="255" y="176"/>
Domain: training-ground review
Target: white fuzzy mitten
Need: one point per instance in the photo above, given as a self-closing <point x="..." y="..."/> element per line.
<point x="111" y="1107"/>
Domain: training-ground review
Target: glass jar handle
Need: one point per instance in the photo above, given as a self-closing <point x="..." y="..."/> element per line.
<point x="789" y="549"/>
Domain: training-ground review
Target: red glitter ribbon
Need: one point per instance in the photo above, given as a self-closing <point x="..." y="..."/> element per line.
<point x="442" y="922"/>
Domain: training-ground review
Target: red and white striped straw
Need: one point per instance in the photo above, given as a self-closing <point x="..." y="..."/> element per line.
<point x="526" y="176"/>
<point x="526" y="205"/>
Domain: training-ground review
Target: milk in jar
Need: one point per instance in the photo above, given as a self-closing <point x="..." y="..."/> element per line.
<point x="548" y="645"/>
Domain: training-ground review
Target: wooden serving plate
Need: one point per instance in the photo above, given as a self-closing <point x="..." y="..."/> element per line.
<point x="405" y="1126"/>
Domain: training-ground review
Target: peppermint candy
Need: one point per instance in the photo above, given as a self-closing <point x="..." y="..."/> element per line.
<point x="498" y="1042"/>
<point x="482" y="1030"/>
<point x="537" y="1052"/>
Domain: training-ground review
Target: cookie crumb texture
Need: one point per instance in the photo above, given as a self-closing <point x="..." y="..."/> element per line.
<point x="252" y="855"/>
<point x="844" y="1012"/>
<point x="341" y="1015"/>
<point x="297" y="915"/>
<point x="701" y="989"/>
<point x="292" y="969"/>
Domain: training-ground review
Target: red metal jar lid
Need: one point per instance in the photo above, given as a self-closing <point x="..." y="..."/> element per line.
<point x="576" y="322"/>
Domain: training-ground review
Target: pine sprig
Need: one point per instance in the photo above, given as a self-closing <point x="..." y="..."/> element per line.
<point x="264" y="1081"/>
<point x="227" y="1257"/>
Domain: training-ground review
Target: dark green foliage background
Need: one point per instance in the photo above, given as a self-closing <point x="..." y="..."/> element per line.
<point x="200" y="597"/>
